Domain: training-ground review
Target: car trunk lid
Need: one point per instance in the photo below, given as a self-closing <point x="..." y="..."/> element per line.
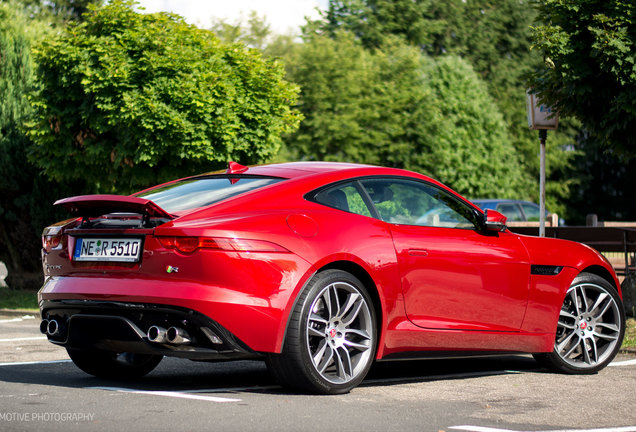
<point x="87" y="206"/>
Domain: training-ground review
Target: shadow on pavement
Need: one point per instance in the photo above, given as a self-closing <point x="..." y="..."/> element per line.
<point x="252" y="376"/>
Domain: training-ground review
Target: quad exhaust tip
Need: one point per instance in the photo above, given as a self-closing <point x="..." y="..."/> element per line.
<point x="49" y="327"/>
<point x="157" y="334"/>
<point x="177" y="336"/>
<point x="44" y="325"/>
<point x="174" y="335"/>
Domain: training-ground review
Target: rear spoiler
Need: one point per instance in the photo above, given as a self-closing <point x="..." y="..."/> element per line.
<point x="86" y="206"/>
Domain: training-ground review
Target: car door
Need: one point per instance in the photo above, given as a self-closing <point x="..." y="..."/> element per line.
<point x="454" y="274"/>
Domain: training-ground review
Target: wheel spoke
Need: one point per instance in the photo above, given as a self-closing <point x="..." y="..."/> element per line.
<point x="584" y="303"/>
<point x="601" y="298"/>
<point x="586" y="352"/>
<point x="561" y="347"/>
<point x="594" y="350"/>
<point x="343" y="363"/>
<point x="318" y="319"/>
<point x="323" y="357"/>
<point x="612" y="327"/>
<point x="312" y="331"/>
<point x="352" y="299"/>
<point x="566" y="325"/>
<point x="566" y="314"/>
<point x="336" y="307"/>
<point x="327" y="301"/>
<point x="608" y="304"/>
<point x="356" y="345"/>
<point x="575" y="301"/>
<point x="347" y="320"/>
<point x="361" y="333"/>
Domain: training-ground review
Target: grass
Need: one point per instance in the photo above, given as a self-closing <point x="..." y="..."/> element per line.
<point x="18" y="299"/>
<point x="27" y="299"/>
<point x="630" y="334"/>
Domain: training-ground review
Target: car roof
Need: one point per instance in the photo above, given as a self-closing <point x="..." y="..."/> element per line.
<point x="500" y="201"/>
<point x="300" y="169"/>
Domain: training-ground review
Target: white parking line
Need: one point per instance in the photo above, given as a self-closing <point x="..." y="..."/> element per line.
<point x="623" y="363"/>
<point x="488" y="429"/>
<point x="24" y="339"/>
<point x="34" y="363"/>
<point x="17" y="319"/>
<point x="190" y="394"/>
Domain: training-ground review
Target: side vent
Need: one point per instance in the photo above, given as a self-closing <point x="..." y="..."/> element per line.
<point x="545" y="270"/>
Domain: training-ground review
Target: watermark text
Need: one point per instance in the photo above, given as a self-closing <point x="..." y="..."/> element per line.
<point x="46" y="417"/>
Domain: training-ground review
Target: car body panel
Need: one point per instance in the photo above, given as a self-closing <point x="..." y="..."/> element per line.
<point x="462" y="279"/>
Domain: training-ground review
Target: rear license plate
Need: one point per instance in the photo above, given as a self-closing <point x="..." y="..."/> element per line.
<point x="107" y="249"/>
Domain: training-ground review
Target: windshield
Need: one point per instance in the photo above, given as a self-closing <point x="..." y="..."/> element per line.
<point x="204" y="191"/>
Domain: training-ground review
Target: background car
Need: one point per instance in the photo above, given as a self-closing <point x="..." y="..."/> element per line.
<point x="514" y="210"/>
<point x="319" y="269"/>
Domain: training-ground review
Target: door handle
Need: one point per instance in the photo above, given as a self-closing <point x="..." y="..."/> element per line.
<point x="418" y="252"/>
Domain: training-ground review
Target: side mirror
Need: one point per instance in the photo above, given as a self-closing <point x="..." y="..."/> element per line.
<point x="494" y="221"/>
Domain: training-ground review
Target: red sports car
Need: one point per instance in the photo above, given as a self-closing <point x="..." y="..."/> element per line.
<point x="320" y="269"/>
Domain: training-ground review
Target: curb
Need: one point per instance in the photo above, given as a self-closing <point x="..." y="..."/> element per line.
<point x="19" y="312"/>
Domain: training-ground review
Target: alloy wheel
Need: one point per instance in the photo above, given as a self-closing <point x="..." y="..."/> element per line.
<point x="589" y="326"/>
<point x="340" y="333"/>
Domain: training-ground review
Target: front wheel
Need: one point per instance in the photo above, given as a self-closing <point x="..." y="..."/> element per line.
<point x="107" y="364"/>
<point x="331" y="339"/>
<point x="590" y="329"/>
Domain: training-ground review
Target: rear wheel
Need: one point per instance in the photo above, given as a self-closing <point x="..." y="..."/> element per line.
<point x="590" y="328"/>
<point x="331" y="339"/>
<point x="107" y="364"/>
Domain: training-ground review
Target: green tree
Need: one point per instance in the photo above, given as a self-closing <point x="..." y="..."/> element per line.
<point x="371" y="21"/>
<point x="255" y="32"/>
<point x="494" y="36"/>
<point x="129" y="99"/>
<point x="604" y="184"/>
<point x="25" y="195"/>
<point x="590" y="72"/>
<point x="395" y="106"/>
<point x="57" y="12"/>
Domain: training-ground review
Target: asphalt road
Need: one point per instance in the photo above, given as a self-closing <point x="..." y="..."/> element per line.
<point x="40" y="390"/>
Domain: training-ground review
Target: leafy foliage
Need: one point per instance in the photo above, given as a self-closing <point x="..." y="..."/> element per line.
<point x="397" y="107"/>
<point x="604" y="184"/>
<point x="494" y="36"/>
<point x="57" y="12"/>
<point x="590" y="70"/>
<point x="128" y="99"/>
<point x="25" y="195"/>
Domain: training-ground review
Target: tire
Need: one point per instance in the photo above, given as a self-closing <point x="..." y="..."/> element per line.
<point x="590" y="329"/>
<point x="331" y="338"/>
<point x="107" y="364"/>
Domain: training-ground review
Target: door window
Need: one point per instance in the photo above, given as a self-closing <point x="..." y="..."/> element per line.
<point x="344" y="197"/>
<point x="409" y="202"/>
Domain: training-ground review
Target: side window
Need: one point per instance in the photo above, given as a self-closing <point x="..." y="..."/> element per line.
<point x="415" y="203"/>
<point x="532" y="213"/>
<point x="344" y="197"/>
<point x="511" y="211"/>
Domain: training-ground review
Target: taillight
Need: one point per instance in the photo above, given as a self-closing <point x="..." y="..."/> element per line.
<point x="51" y="238"/>
<point x="189" y="245"/>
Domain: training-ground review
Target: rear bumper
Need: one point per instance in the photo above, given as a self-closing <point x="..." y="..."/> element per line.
<point x="254" y="309"/>
<point x="123" y="327"/>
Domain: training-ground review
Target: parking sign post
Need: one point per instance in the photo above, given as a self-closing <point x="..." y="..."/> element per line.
<point x="541" y="117"/>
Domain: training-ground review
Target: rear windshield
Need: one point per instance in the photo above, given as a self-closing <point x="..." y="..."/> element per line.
<point x="203" y="191"/>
